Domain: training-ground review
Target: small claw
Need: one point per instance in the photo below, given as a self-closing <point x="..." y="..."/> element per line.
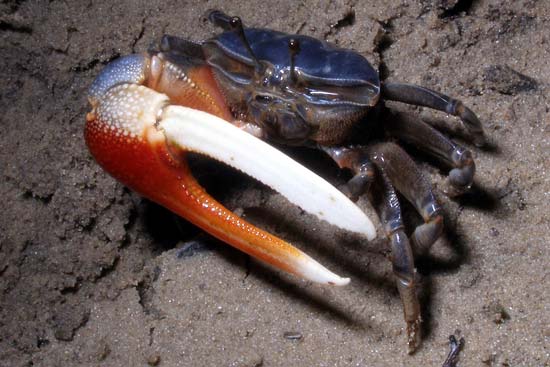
<point x="128" y="132"/>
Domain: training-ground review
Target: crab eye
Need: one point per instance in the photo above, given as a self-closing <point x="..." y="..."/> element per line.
<point x="263" y="99"/>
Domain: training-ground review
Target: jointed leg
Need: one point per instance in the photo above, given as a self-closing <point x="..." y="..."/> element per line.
<point x="425" y="137"/>
<point x="420" y="96"/>
<point x="386" y="203"/>
<point x="409" y="181"/>
<point x="355" y="159"/>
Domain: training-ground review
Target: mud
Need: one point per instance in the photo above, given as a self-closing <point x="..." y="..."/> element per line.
<point x="91" y="274"/>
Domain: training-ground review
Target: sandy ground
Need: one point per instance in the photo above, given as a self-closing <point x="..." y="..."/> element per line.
<point x="89" y="272"/>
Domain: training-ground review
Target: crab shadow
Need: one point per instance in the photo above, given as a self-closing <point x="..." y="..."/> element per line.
<point x="351" y="256"/>
<point x="368" y="264"/>
<point x="305" y="293"/>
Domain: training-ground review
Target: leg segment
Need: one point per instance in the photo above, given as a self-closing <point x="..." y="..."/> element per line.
<point x="420" y="96"/>
<point x="425" y="137"/>
<point x="409" y="181"/>
<point x="355" y="159"/>
<point x="385" y="201"/>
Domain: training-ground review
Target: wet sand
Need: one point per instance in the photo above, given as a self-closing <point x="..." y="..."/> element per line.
<point x="90" y="273"/>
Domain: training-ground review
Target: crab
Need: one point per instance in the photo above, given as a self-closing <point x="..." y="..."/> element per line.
<point x="225" y="97"/>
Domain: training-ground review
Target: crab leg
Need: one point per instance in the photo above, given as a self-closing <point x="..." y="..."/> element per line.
<point x="420" y="96"/>
<point x="140" y="138"/>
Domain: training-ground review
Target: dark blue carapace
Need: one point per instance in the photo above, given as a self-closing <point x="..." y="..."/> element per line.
<point x="295" y="87"/>
<point x="317" y="60"/>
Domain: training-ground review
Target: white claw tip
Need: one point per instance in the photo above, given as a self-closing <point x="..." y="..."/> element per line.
<point x="312" y="270"/>
<point x="342" y="282"/>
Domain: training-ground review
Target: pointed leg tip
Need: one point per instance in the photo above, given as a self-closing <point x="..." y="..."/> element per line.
<point x="480" y="141"/>
<point x="413" y="336"/>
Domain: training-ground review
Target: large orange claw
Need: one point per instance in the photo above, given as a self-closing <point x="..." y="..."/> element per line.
<point x="139" y="132"/>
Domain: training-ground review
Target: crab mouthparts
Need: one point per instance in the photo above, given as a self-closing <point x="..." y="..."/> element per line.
<point x="140" y="139"/>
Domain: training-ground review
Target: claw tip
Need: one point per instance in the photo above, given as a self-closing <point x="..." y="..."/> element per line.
<point x="312" y="270"/>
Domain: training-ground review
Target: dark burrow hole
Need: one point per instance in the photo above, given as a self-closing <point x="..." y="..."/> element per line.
<point x="462" y="6"/>
<point x="347" y="20"/>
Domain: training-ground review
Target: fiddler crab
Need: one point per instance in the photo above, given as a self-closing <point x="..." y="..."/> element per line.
<point x="223" y="97"/>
